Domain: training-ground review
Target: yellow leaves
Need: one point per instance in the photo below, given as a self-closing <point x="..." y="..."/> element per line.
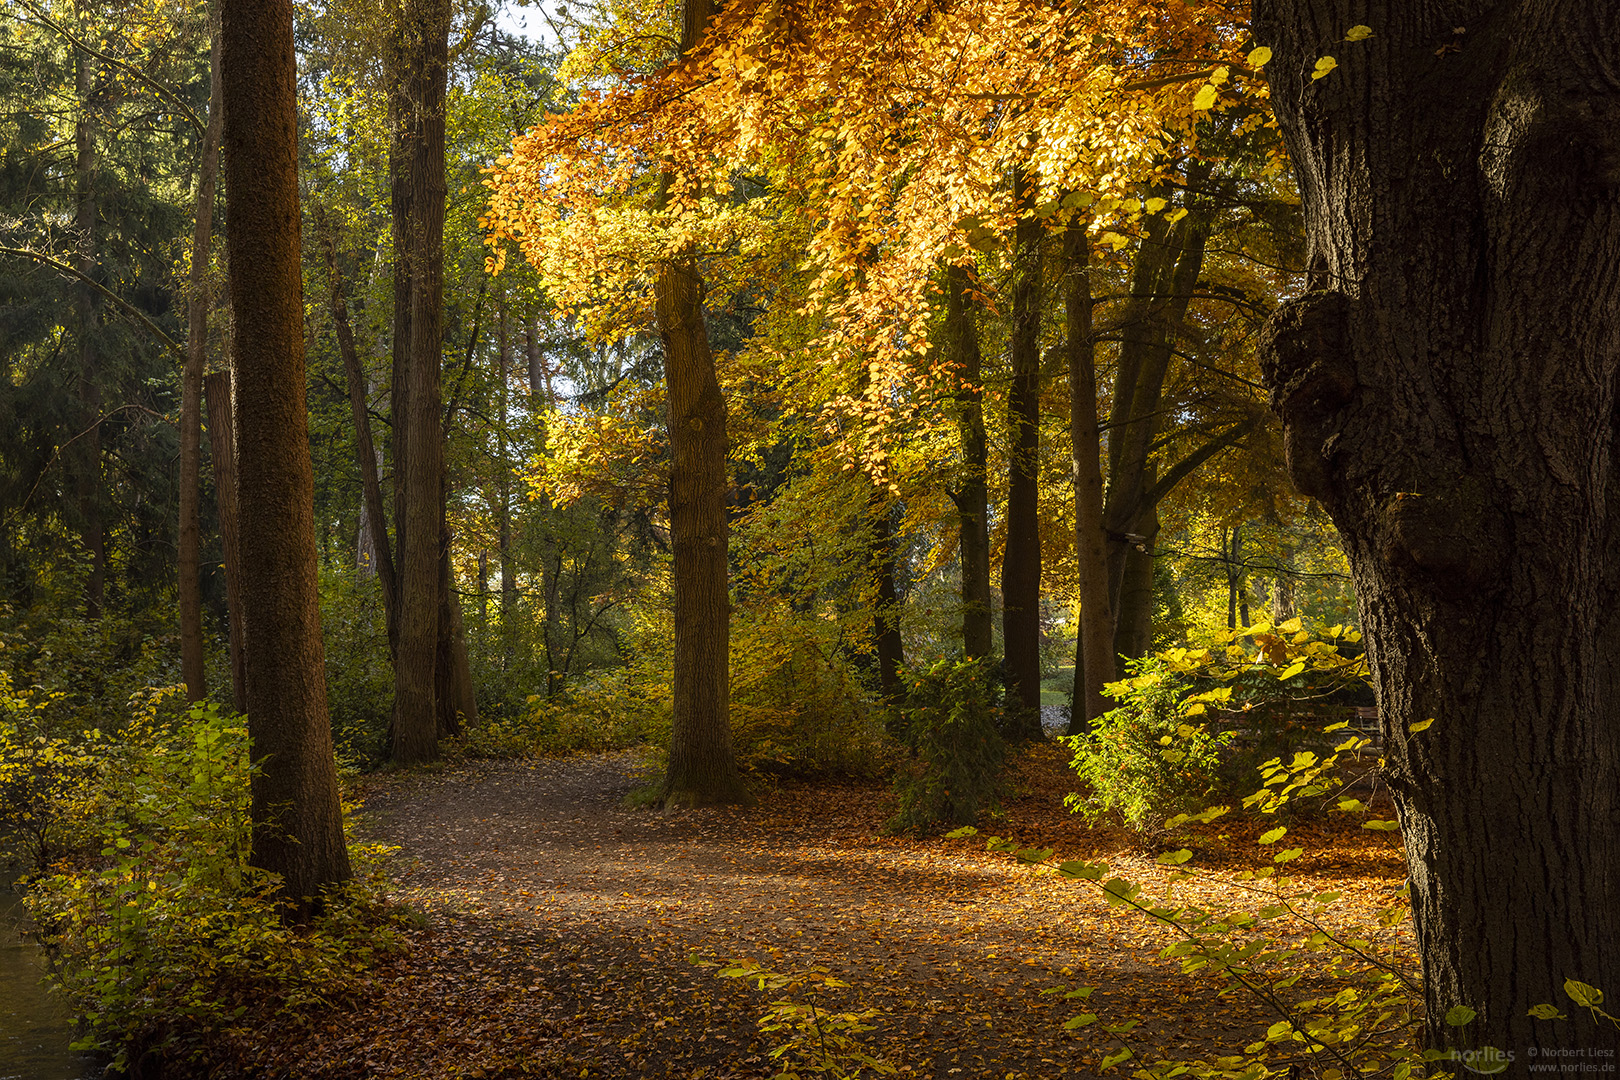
<point x="1358" y="33"/>
<point x="1323" y="67"/>
<point x="1205" y="98"/>
<point x="1259" y="58"/>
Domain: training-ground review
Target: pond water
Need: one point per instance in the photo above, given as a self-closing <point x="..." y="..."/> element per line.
<point x="35" y="1026"/>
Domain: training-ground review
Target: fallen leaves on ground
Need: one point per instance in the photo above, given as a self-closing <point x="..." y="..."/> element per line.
<point x="560" y="929"/>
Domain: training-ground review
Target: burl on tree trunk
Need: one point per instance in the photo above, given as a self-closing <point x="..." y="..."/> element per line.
<point x="1448" y="391"/>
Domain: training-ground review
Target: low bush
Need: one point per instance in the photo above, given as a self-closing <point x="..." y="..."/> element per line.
<point x="950" y="722"/>
<point x="163" y="934"/>
<point x="1145" y="760"/>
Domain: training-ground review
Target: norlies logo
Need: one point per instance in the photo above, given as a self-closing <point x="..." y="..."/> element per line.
<point x="1486" y="1061"/>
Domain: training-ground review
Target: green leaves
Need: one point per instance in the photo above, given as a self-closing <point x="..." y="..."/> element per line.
<point x="1083" y="1020"/>
<point x="1274" y="835"/>
<point x="1460" y="1015"/>
<point x="1546" y="1012"/>
<point x="1174" y="858"/>
<point x="1381" y="826"/>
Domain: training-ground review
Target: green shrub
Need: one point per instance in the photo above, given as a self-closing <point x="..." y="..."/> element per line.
<point x="165" y="936"/>
<point x="359" y="672"/>
<point x="950" y="723"/>
<point x="1145" y="760"/>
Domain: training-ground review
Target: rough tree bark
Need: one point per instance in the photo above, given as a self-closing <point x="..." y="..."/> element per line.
<point x="421" y="56"/>
<point x="189" y="560"/>
<point x="972" y="496"/>
<point x="1021" y="557"/>
<point x="702" y="765"/>
<point x="1162" y="283"/>
<point x="297" y="821"/>
<point x="1448" y="391"/>
<point x="1094" y="649"/>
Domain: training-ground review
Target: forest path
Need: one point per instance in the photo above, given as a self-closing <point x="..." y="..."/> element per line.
<point x="562" y="926"/>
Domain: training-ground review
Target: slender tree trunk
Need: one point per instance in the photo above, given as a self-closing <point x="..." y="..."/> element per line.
<point x="886" y="639"/>
<point x="373" y="519"/>
<point x="222" y="448"/>
<point x="455" y="696"/>
<point x="1448" y="391"/>
<point x="297" y="820"/>
<point x="972" y="497"/>
<point x="418" y="440"/>
<point x="1094" y="652"/>
<point x="551" y="626"/>
<point x="503" y="511"/>
<point x="87" y="445"/>
<point x="1021" y="558"/>
<point x="189" y="590"/>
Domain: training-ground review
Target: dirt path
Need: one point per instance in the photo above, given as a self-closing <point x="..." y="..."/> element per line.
<point x="562" y="928"/>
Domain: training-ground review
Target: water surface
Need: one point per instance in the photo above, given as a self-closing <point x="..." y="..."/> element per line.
<point x="35" y="1025"/>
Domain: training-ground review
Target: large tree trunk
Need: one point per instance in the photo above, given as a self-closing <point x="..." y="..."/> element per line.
<point x="419" y="332"/>
<point x="190" y="538"/>
<point x="702" y="765"/>
<point x="1094" y="649"/>
<point x="972" y="496"/>
<point x="297" y="821"/>
<point x="1133" y="631"/>
<point x="222" y="448"/>
<point x="1448" y="391"/>
<point x="1162" y="283"/>
<point x="1021" y="557"/>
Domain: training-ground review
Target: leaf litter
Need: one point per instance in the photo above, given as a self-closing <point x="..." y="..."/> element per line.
<point x="560" y="929"/>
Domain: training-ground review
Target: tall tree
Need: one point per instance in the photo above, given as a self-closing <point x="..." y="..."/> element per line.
<point x="191" y="386"/>
<point x="1448" y="391"/>
<point x="1021" y="558"/>
<point x="702" y="765"/>
<point x="420" y="55"/>
<point x="972" y="494"/>
<point x="297" y="820"/>
<point x="1094" y="645"/>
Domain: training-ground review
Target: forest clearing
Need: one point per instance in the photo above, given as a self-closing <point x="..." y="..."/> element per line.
<point x="1082" y="527"/>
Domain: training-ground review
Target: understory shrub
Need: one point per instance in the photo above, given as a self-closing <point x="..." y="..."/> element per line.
<point x="359" y="673"/>
<point x="797" y="704"/>
<point x="163" y="935"/>
<point x="1148" y="758"/>
<point x="950" y="722"/>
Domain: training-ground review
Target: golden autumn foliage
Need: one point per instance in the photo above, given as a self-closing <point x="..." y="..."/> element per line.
<point x="861" y="145"/>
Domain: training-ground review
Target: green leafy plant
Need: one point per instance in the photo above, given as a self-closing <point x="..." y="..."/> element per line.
<point x="818" y="1041"/>
<point x="1149" y="757"/>
<point x="949" y="722"/>
<point x="164" y="934"/>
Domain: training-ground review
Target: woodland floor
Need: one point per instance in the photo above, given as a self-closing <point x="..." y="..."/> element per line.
<point x="561" y="929"/>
